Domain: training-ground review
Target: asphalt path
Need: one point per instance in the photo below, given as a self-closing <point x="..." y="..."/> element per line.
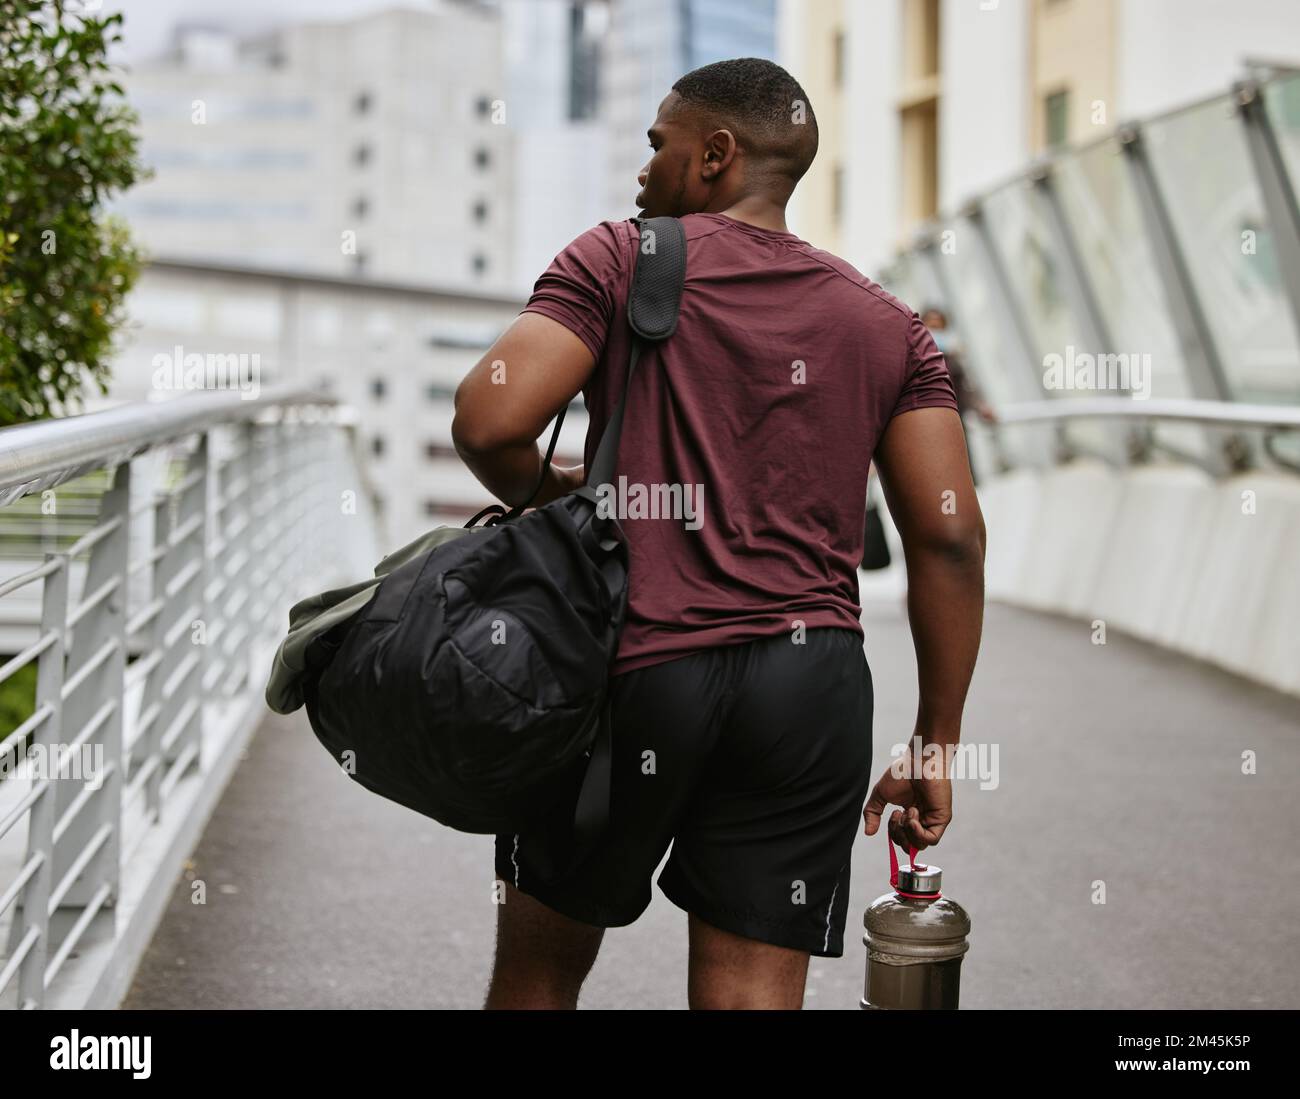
<point x="1110" y="850"/>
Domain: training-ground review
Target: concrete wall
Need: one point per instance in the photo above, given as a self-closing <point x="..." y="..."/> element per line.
<point x="1162" y="552"/>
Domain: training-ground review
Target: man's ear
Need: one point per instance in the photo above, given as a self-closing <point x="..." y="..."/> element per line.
<point x="719" y="151"/>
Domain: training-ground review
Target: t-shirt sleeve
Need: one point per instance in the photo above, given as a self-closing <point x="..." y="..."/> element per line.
<point x="580" y="287"/>
<point x="928" y="383"/>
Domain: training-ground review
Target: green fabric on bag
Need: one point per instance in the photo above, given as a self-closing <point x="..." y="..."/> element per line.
<point x="311" y="617"/>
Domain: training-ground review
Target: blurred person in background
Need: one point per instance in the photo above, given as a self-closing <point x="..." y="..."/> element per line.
<point x="969" y="396"/>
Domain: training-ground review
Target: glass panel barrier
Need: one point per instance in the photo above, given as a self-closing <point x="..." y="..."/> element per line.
<point x="1204" y="169"/>
<point x="1033" y="263"/>
<point x="1097" y="197"/>
<point x="1282" y="102"/>
<point x="996" y="367"/>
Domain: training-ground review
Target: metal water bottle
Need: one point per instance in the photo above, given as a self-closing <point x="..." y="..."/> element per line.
<point x="915" y="938"/>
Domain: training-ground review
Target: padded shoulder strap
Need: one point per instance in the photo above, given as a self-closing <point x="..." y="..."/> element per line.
<point x="652" y="308"/>
<point x="660" y="271"/>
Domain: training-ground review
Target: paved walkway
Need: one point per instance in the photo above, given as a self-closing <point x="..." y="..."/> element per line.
<point x="1118" y="764"/>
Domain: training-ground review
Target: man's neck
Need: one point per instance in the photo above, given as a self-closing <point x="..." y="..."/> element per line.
<point x="755" y="210"/>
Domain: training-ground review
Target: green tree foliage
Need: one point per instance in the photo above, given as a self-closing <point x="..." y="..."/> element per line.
<point x="67" y="144"/>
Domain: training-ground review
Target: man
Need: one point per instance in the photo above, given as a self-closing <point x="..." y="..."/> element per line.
<point x="741" y="698"/>
<point x="969" y="397"/>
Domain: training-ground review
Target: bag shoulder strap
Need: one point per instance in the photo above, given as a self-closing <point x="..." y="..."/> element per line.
<point x="653" y="305"/>
<point x="658" y="275"/>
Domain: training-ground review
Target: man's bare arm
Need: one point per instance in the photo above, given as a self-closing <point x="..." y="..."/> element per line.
<point x="534" y="369"/>
<point x="926" y="478"/>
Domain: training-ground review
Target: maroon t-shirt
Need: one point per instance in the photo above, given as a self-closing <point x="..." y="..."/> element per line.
<point x="748" y="433"/>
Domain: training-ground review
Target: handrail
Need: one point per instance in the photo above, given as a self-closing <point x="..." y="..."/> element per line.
<point x="48" y="452"/>
<point x="1184" y="410"/>
<point x="225" y="536"/>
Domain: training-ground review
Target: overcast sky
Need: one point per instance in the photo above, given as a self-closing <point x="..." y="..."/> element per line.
<point x="149" y="23"/>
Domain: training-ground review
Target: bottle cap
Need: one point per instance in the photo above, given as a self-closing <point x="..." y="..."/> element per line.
<point x="919" y="878"/>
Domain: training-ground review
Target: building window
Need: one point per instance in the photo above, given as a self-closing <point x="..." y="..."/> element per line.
<point x="482" y="158"/>
<point x="837" y="194"/>
<point x="361" y="156"/>
<point x="483" y="105"/>
<point x="837" y="58"/>
<point x="436" y="391"/>
<point x="479" y="263"/>
<point x="436" y="451"/>
<point x="480" y="211"/>
<point x="359" y="262"/>
<point x="1056" y="120"/>
<point x="587" y="25"/>
<point x="362" y="103"/>
<point x="377" y="388"/>
<point x="918" y="112"/>
<point x="360" y="207"/>
<point x="377" y="446"/>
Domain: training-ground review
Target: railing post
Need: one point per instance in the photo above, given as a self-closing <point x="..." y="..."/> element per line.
<point x="241" y="587"/>
<point x="103" y="626"/>
<point x="173" y="695"/>
<point x="270" y="502"/>
<point x="35" y="898"/>
<point x="189" y="513"/>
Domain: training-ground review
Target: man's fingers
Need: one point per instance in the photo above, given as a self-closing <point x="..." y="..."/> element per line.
<point x="921" y="835"/>
<point x="876" y="804"/>
<point x="897" y="829"/>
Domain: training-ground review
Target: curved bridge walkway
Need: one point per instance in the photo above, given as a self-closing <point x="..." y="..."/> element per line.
<point x="1117" y="763"/>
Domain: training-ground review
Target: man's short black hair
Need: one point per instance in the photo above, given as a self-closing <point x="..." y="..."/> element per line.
<point x="764" y="107"/>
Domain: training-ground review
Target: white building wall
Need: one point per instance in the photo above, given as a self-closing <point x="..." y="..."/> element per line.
<point x="983" y="107"/>
<point x="871" y="138"/>
<point x="1172" y="52"/>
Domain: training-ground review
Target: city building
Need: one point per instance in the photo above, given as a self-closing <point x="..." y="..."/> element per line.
<point x="555" y="52"/>
<point x="924" y="104"/>
<point x="651" y="43"/>
<point x="376" y="147"/>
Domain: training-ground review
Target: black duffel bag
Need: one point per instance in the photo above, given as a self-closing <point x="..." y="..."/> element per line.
<point x="474" y="681"/>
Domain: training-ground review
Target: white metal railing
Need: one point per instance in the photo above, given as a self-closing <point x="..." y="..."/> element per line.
<point x="1231" y="426"/>
<point x="1220" y="413"/>
<point x="151" y="641"/>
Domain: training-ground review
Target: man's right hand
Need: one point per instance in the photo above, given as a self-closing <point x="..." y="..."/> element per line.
<point x="926" y="807"/>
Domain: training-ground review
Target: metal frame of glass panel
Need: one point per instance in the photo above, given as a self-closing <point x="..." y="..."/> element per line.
<point x="1203" y="366"/>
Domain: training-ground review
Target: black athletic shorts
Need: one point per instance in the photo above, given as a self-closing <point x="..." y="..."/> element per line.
<point x="753" y="760"/>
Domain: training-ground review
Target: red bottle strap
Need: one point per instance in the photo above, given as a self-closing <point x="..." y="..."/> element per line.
<point x="893" y="858"/>
<point x="893" y="870"/>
